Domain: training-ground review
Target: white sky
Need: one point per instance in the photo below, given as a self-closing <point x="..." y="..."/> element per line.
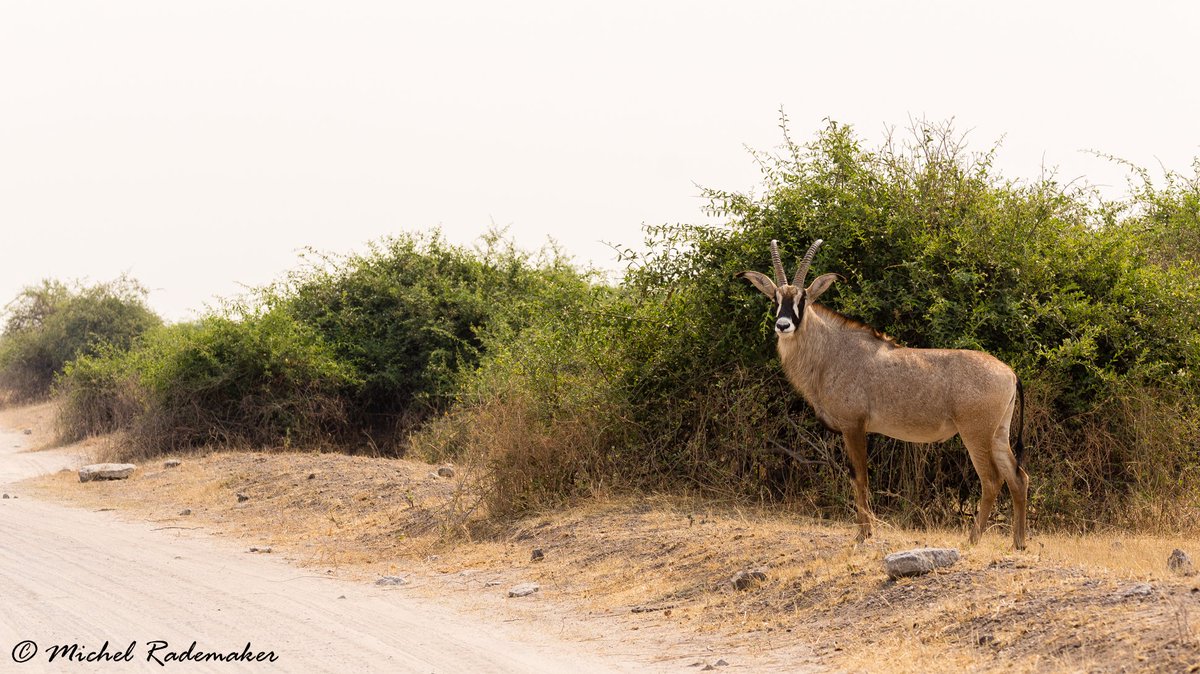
<point x="198" y="145"/>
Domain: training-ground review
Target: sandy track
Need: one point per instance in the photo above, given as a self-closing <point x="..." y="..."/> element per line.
<point x="71" y="576"/>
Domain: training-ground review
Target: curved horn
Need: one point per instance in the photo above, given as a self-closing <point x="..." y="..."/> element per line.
<point x="808" y="258"/>
<point x="780" y="274"/>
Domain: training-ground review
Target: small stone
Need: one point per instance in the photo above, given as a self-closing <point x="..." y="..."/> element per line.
<point x="28" y="431"/>
<point x="432" y="475"/>
<point x="242" y="498"/>
<point x="491" y="583"/>
<point x="1180" y="563"/>
<point x="722" y="663"/>
<point x="263" y="548"/>
<point x="392" y="580"/>
<point x="342" y="596"/>
<point x="6" y="496"/>
<point x="445" y="471"/>
<point x="185" y="512"/>
<point x="744" y="579"/>
<point x="106" y="471"/>
<point x="523" y="590"/>
<point x="707" y="668"/>
<point x="172" y="463"/>
<point x="536" y="556"/>
<point x="918" y="562"/>
<point x="312" y="476"/>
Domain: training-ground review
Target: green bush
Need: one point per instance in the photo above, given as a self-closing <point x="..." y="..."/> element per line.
<point x="541" y="417"/>
<point x="261" y="379"/>
<point x="413" y="311"/>
<point x="50" y="324"/>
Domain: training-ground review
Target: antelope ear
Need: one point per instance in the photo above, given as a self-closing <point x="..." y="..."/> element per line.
<point x="760" y="281"/>
<point x="819" y="285"/>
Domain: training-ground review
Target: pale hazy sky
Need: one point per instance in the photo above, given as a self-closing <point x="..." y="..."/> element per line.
<point x="198" y="145"/>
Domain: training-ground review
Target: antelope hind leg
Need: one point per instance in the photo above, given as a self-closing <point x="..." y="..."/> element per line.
<point x="1018" y="487"/>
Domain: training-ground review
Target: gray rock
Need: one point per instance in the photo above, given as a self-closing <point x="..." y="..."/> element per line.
<point x="445" y="471"/>
<point x="537" y="555"/>
<point x="28" y="431"/>
<point x="185" y="512"/>
<point x="523" y="590"/>
<point x="491" y="583"/>
<point x="106" y="471"/>
<point x="6" y="496"/>
<point x="745" y="579"/>
<point x="260" y="548"/>
<point x="392" y="580"/>
<point x="172" y="463"/>
<point x="1180" y="563"/>
<point x="918" y="562"/>
<point x="242" y="498"/>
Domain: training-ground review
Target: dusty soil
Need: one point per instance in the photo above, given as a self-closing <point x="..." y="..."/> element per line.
<point x="648" y="576"/>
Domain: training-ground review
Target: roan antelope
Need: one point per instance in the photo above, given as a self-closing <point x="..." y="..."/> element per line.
<point x="858" y="381"/>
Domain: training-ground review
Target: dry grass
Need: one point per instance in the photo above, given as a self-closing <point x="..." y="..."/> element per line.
<point x="1057" y="607"/>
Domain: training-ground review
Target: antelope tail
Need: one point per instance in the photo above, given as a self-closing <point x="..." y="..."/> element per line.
<point x="1019" y="450"/>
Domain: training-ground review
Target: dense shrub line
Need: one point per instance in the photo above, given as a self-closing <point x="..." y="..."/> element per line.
<point x="553" y="383"/>
<point x="348" y="352"/>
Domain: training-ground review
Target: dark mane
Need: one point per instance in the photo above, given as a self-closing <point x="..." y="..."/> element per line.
<point x="847" y="323"/>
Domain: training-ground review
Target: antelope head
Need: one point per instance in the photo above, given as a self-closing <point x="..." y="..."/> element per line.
<point x="792" y="298"/>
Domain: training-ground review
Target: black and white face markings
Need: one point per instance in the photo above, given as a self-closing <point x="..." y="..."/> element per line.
<point x="789" y="309"/>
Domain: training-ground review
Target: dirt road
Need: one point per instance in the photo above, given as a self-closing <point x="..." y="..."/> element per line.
<point x="75" y="577"/>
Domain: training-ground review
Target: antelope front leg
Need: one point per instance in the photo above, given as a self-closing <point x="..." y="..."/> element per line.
<point x="856" y="451"/>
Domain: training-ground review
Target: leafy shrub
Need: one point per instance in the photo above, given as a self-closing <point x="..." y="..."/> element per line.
<point x="52" y="323"/>
<point x="263" y="379"/>
<point x="410" y="313"/>
<point x="541" y="418"/>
